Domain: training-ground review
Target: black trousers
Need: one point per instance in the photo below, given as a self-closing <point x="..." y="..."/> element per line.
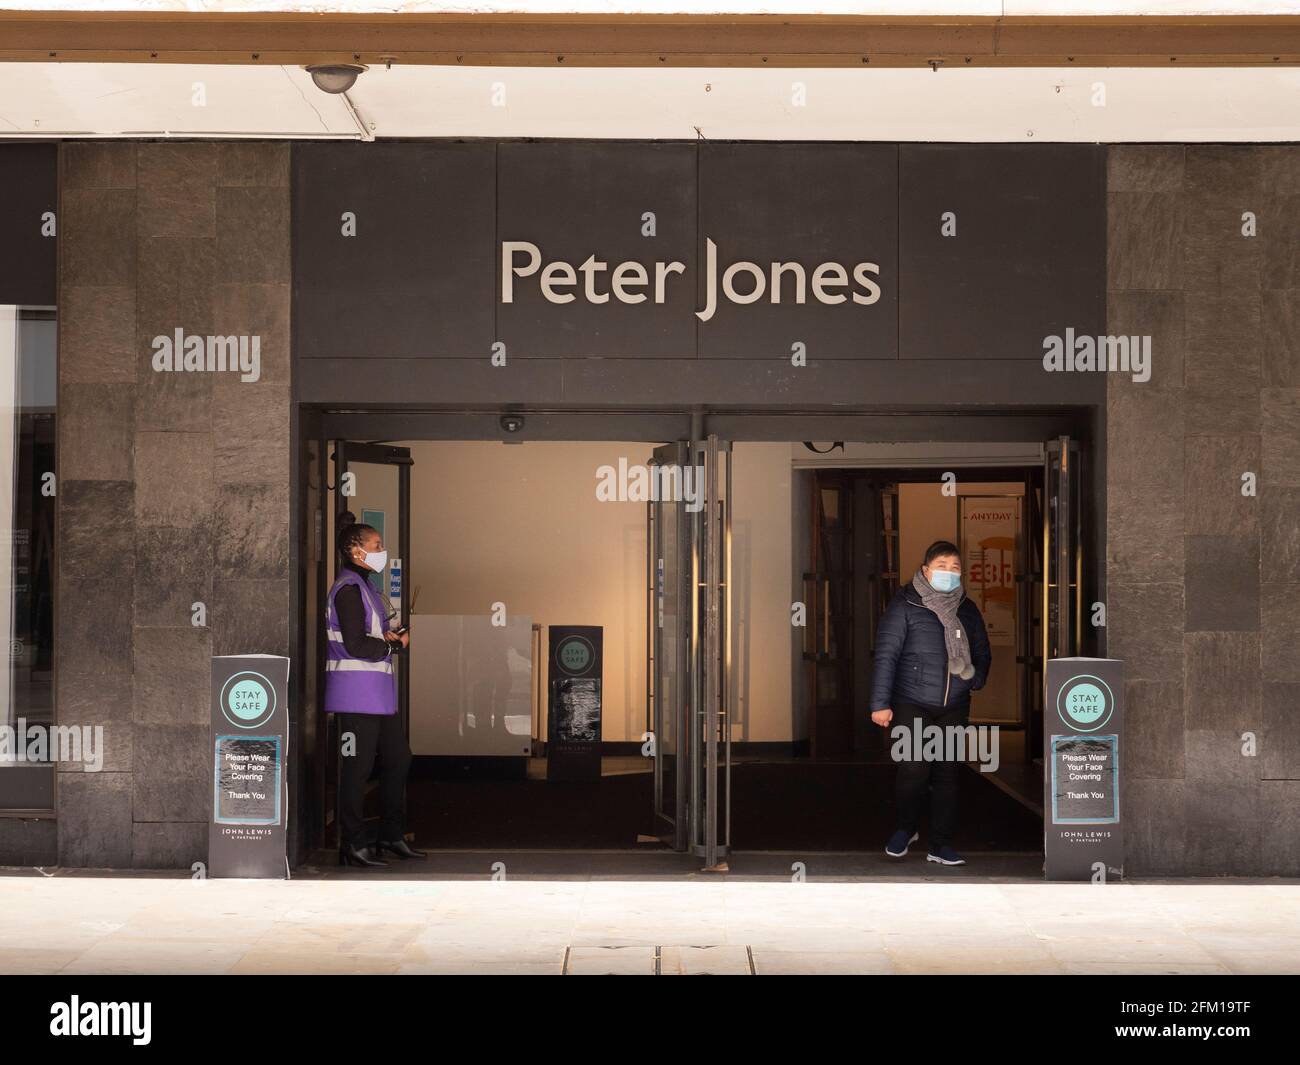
<point x="380" y="734"/>
<point x="939" y="778"/>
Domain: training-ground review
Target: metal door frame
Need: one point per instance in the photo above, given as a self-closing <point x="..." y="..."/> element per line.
<point x="1062" y="549"/>
<point x="711" y="717"/>
<point x="700" y="713"/>
<point x="680" y="654"/>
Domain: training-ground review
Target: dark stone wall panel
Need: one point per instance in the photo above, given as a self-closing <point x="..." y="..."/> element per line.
<point x="161" y="474"/>
<point x="98" y="522"/>
<point x="95" y="822"/>
<point x="1279" y="841"/>
<point x="1280" y="755"/>
<point x="97" y="432"/>
<point x="173" y="772"/>
<point x="168" y="844"/>
<point x="1021" y="266"/>
<point x="102" y="700"/>
<point x="417" y="279"/>
<point x="1154" y="729"/>
<point x="173" y="673"/>
<point x="29" y="841"/>
<point x="97" y="339"/>
<point x="1222" y="575"/>
<point x="250" y="617"/>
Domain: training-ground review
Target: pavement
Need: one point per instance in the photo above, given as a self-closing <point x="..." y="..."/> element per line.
<point x="625" y="912"/>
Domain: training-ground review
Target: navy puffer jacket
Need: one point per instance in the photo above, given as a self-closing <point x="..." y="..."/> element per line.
<point x="912" y="661"/>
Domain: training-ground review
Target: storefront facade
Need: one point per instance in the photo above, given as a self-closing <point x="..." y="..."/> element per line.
<point x="637" y="283"/>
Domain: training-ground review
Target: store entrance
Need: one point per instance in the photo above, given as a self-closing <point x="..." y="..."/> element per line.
<point x="725" y="726"/>
<point x="865" y="532"/>
<point x="865" y="526"/>
<point x="494" y="551"/>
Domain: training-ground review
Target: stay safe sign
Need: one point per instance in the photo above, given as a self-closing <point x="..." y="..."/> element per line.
<point x="247" y="834"/>
<point x="1082" y="747"/>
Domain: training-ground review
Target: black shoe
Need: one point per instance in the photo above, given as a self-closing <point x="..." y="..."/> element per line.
<point x="401" y="848"/>
<point x="349" y="855"/>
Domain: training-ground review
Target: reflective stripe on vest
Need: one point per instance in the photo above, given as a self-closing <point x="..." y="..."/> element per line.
<point x="350" y="665"/>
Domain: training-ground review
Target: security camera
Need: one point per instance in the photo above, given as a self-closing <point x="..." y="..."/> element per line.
<point x="512" y="423"/>
<point x="335" y="78"/>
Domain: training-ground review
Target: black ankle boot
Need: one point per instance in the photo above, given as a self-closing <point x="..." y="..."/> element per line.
<point x="399" y="847"/>
<point x="350" y="855"/>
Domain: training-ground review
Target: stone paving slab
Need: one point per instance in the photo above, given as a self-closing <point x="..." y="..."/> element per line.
<point x="675" y="922"/>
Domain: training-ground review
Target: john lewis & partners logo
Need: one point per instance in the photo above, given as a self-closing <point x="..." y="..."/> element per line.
<point x="1085" y="703"/>
<point x="248" y="700"/>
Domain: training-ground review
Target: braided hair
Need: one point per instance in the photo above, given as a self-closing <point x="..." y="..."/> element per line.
<point x="351" y="532"/>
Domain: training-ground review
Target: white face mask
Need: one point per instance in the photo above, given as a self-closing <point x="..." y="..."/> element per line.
<point x="376" y="560"/>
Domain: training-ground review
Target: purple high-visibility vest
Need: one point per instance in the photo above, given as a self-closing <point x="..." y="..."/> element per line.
<point x="355" y="685"/>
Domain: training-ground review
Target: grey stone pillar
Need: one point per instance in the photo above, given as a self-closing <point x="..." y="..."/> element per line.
<point x="173" y="487"/>
<point x="1203" y="581"/>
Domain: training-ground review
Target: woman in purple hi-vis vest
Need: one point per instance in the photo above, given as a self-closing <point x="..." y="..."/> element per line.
<point x="361" y="688"/>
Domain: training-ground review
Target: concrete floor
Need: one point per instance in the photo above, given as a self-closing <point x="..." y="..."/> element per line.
<point x="638" y="914"/>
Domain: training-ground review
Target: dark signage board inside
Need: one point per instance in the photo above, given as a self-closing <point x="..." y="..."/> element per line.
<point x="576" y="663"/>
<point x="247" y="833"/>
<point x="1082" y="738"/>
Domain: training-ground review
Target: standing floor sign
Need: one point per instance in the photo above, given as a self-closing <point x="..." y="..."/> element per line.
<point x="1082" y="733"/>
<point x="573" y="721"/>
<point x="247" y="834"/>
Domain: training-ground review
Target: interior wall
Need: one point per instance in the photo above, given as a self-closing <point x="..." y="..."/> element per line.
<point x="520" y="524"/>
<point x="762" y="546"/>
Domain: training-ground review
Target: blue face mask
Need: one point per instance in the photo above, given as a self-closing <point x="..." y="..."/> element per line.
<point x="943" y="581"/>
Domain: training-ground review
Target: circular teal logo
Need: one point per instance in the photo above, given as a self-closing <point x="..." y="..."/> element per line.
<point x="248" y="700"/>
<point x="1085" y="703"/>
<point x="575" y="655"/>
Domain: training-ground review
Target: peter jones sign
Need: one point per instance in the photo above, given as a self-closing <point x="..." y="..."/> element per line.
<point x="632" y="281"/>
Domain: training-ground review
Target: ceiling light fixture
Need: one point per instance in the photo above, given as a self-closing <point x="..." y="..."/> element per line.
<point x="335" y="78"/>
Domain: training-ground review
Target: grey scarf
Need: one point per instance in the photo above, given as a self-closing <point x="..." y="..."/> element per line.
<point x="944" y="605"/>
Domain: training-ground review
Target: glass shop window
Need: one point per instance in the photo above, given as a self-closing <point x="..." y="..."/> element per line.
<point x="28" y="386"/>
